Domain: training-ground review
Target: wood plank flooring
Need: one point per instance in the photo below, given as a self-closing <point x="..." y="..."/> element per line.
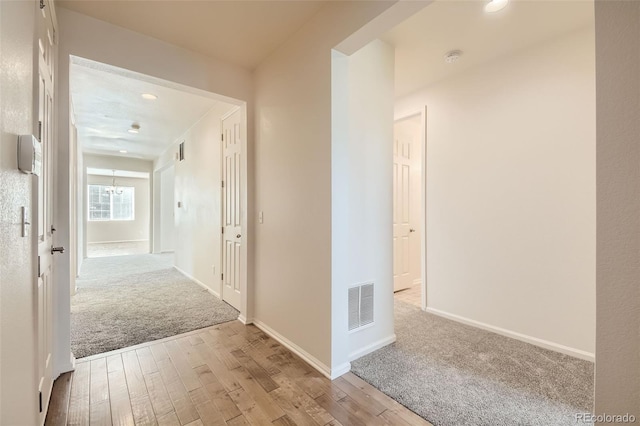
<point x="228" y="374"/>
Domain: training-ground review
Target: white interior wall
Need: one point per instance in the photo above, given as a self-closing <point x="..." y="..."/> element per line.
<point x="18" y="349"/>
<point x="167" y="209"/>
<point x="617" y="385"/>
<point x="511" y="193"/>
<point x="198" y="190"/>
<point x="362" y="195"/>
<point x="108" y="231"/>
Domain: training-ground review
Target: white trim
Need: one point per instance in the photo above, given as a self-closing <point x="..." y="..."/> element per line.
<point x="115" y="242"/>
<point x="340" y="370"/>
<point x="245" y="320"/>
<point x="372" y="347"/>
<point x="66" y="367"/>
<point x="197" y="281"/>
<point x="230" y="113"/>
<point x="306" y="356"/>
<point x="577" y="353"/>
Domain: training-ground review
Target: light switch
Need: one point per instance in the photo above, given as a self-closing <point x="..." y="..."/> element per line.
<point x="261" y="217"/>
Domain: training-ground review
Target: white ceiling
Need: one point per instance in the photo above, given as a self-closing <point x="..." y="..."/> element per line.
<point x="422" y="41"/>
<point x="106" y="102"/>
<point x="239" y="32"/>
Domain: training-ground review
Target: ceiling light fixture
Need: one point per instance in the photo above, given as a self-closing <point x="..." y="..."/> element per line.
<point x="114" y="189"/>
<point x="149" y="96"/>
<point x="135" y="129"/>
<point x="495" y="6"/>
<point x="452" y="56"/>
<point x="123" y="151"/>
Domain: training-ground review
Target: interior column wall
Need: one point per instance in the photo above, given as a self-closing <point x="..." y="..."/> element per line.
<point x="293" y="182"/>
<point x="362" y="192"/>
<point x="617" y="382"/>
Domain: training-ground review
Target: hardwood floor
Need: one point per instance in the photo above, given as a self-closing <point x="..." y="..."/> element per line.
<point x="228" y="374"/>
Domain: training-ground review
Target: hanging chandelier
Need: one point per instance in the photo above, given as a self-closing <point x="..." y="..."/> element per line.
<point x="113" y="189"/>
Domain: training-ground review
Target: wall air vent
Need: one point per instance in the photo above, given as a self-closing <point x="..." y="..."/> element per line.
<point x="360" y="306"/>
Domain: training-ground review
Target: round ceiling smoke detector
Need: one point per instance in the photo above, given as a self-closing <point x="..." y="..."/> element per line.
<point x="453" y="56"/>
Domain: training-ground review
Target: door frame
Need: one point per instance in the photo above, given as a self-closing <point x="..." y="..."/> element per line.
<point x="246" y="316"/>
<point x="423" y="197"/>
<point x="156" y="219"/>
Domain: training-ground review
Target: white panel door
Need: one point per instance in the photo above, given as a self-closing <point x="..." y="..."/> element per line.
<point x="43" y="208"/>
<point x="231" y="209"/>
<point x="407" y="195"/>
<point x="401" y="211"/>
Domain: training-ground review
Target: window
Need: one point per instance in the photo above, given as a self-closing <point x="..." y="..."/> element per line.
<point x="107" y="204"/>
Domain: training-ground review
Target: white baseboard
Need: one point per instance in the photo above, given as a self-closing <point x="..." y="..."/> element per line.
<point x="372" y="347"/>
<point x="197" y="281"/>
<point x="310" y="359"/>
<point x="245" y="320"/>
<point x="68" y="366"/>
<point x="340" y="370"/>
<point x="116" y="242"/>
<point x="577" y="353"/>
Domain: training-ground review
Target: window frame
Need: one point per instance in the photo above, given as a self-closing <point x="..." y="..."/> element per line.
<point x="111" y="196"/>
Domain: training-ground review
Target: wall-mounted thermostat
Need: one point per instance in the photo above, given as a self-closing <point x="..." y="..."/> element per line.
<point x="29" y="154"/>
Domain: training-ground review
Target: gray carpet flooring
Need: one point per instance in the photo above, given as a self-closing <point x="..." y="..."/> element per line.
<point x="452" y="374"/>
<point x="127" y="300"/>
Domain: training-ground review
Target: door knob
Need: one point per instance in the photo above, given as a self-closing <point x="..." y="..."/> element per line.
<point x="57" y="249"/>
<point x="412" y="230"/>
<point x="238" y="236"/>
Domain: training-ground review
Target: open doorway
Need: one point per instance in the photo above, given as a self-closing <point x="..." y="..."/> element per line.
<point x="151" y="228"/>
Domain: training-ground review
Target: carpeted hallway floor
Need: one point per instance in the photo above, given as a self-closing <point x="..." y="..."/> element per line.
<point x="126" y="300"/>
<point x="452" y="374"/>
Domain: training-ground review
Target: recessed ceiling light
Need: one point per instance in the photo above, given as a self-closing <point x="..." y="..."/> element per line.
<point x="135" y="128"/>
<point x="122" y="151"/>
<point x="149" y="96"/>
<point x="495" y="5"/>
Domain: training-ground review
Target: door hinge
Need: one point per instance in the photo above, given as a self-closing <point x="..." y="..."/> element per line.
<point x="39" y="272"/>
<point x="40" y="131"/>
<point x="223" y="184"/>
<point x="222" y="277"/>
<point x="40" y="400"/>
<point x="222" y="137"/>
<point x="223" y="230"/>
